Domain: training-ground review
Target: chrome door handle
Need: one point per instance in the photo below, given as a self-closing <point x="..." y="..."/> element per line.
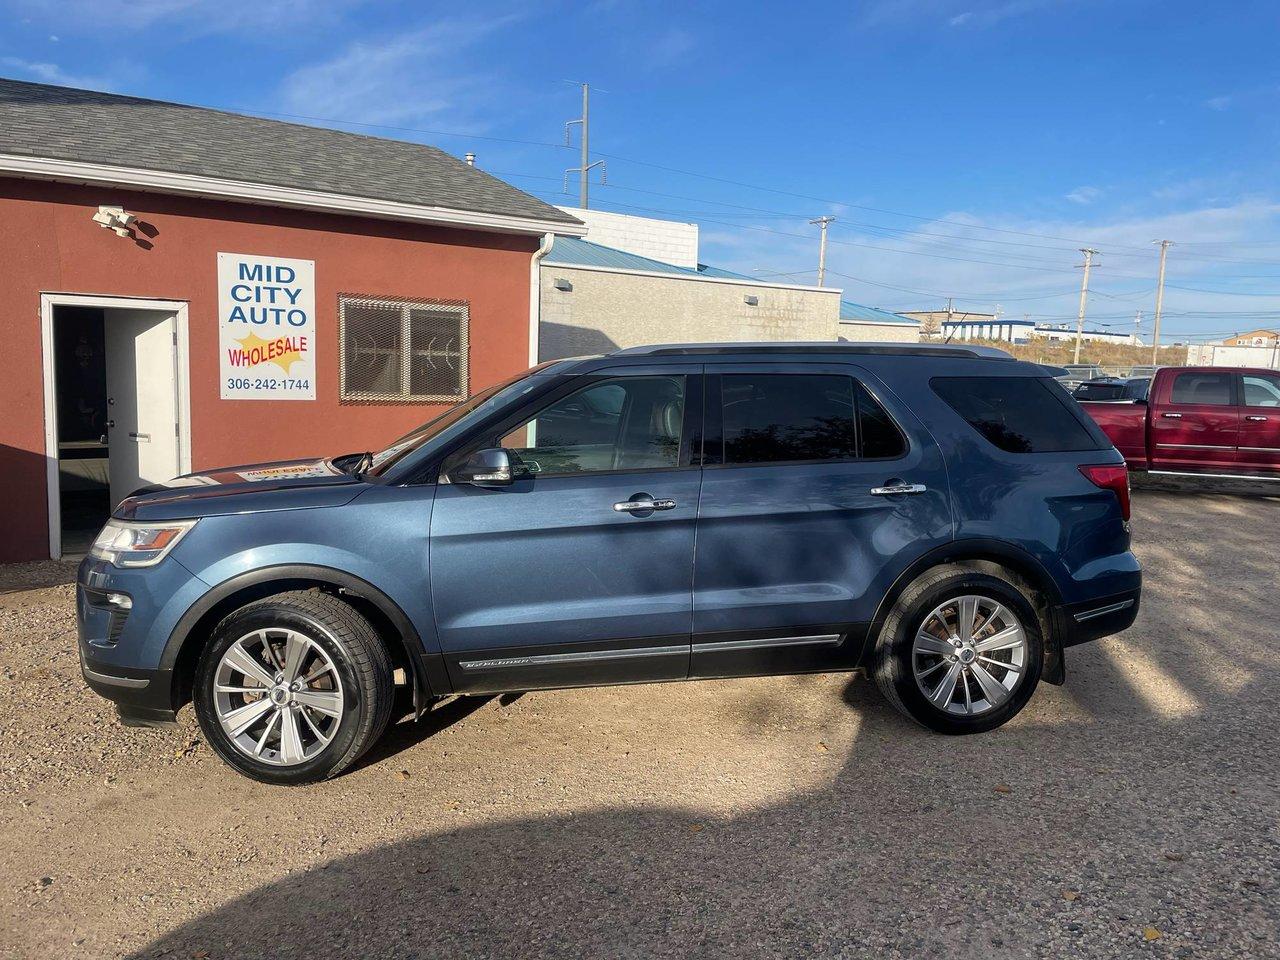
<point x="1256" y="419"/>
<point x="1172" y="416"/>
<point x="634" y="506"/>
<point x="896" y="488"/>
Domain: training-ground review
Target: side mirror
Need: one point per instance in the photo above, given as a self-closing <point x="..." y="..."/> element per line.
<point x="484" y="468"/>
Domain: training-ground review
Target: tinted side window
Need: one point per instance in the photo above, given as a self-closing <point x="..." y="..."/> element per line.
<point x="787" y="418"/>
<point x="1017" y="414"/>
<point x="1099" y="391"/>
<point x="1210" y="388"/>
<point x="773" y="418"/>
<point x="629" y="423"/>
<point x="878" y="435"/>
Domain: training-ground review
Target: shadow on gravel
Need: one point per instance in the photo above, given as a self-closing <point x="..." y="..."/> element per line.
<point x="18" y="577"/>
<point x="913" y="845"/>
<point x="408" y="732"/>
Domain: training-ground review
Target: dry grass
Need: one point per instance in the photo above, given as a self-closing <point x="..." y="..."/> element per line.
<point x="1060" y="352"/>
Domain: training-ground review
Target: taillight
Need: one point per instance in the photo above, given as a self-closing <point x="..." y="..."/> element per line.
<point x="1110" y="476"/>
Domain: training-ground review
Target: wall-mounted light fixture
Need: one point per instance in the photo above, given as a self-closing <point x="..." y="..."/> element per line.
<point x="562" y="284"/>
<point x="751" y="300"/>
<point x="116" y="220"/>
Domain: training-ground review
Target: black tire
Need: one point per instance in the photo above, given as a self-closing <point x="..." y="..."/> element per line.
<point x="892" y="666"/>
<point x="358" y="655"/>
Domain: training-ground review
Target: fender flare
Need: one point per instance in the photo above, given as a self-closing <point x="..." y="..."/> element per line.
<point x="430" y="678"/>
<point x="1004" y="553"/>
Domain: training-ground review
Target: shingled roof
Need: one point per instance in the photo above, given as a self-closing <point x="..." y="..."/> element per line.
<point x="82" y="126"/>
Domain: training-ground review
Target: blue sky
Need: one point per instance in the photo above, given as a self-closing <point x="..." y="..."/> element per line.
<point x="967" y="147"/>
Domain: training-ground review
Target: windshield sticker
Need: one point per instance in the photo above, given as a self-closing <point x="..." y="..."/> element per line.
<point x="297" y="472"/>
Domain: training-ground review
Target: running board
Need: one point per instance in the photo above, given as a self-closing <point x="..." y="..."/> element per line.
<point x="1208" y="476"/>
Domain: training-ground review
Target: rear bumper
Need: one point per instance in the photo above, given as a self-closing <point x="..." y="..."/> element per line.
<point x="1093" y="619"/>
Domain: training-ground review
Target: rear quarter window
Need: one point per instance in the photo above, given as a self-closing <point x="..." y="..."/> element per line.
<point x="1017" y="414"/>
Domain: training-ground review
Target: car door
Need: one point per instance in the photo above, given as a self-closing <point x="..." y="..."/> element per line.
<point x="581" y="570"/>
<point x="815" y="479"/>
<point x="1259" y="443"/>
<point x="1195" y="422"/>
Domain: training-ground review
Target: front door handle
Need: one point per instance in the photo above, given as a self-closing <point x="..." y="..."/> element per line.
<point x="643" y="504"/>
<point x="893" y="489"/>
<point x="1172" y="416"/>
<point x="1256" y="419"/>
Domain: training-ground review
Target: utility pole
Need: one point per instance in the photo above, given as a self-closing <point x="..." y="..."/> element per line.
<point x="822" y="223"/>
<point x="1155" y="334"/>
<point x="1084" y="297"/>
<point x="584" y="170"/>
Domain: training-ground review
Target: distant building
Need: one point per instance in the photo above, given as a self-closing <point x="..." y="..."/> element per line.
<point x="1064" y="331"/>
<point x="637" y="280"/>
<point x="859" y="323"/>
<point x="962" y="325"/>
<point x="1254" y="338"/>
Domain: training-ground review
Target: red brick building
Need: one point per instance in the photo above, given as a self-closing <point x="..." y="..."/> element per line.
<point x="183" y="288"/>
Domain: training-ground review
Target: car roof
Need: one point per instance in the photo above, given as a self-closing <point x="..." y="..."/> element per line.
<point x="841" y="348"/>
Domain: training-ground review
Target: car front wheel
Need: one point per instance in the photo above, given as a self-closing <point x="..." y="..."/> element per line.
<point x="960" y="652"/>
<point x="293" y="688"/>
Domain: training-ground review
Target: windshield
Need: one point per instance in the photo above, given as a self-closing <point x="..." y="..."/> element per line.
<point x="482" y="402"/>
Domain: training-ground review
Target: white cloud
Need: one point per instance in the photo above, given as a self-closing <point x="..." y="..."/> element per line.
<point x="1084" y="195"/>
<point x="405" y="78"/>
<point x="191" y="17"/>
<point x="1031" y="267"/>
<point x="671" y="46"/>
<point x="965" y="13"/>
<point x="52" y="73"/>
<point x="1218" y="103"/>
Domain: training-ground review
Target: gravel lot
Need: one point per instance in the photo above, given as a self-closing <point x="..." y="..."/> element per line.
<point x="1134" y="812"/>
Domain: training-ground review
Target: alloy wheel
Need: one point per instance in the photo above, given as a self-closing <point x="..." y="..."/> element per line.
<point x="969" y="655"/>
<point x="278" y="696"/>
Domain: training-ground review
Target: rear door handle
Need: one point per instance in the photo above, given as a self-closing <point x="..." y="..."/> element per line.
<point x="642" y="504"/>
<point x="1256" y="419"/>
<point x="896" y="488"/>
<point x="1172" y="416"/>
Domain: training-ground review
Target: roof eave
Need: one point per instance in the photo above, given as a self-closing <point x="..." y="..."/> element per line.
<point x="161" y="181"/>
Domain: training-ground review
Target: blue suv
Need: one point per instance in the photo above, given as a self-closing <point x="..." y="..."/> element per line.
<point x="944" y="517"/>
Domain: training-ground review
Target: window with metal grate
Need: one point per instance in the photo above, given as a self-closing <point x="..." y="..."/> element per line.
<point x="402" y="351"/>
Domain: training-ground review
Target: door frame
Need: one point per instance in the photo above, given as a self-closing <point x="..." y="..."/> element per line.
<point x="182" y="385"/>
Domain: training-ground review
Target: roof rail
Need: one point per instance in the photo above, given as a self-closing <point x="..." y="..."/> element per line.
<point x="842" y="347"/>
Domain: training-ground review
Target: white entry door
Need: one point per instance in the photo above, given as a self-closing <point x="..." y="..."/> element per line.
<point x="142" y="403"/>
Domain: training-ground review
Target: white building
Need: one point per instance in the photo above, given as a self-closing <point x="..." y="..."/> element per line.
<point x="1063" y="331"/>
<point x="636" y="281"/>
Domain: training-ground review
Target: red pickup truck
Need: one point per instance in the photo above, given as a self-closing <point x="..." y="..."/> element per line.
<point x="1208" y="421"/>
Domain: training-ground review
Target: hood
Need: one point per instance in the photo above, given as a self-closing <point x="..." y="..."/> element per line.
<point x="281" y="485"/>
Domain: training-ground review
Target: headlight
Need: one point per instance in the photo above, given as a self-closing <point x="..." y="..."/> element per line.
<point x="128" y="544"/>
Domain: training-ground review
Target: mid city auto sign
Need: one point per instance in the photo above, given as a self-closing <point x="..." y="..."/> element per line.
<point x="267" y="328"/>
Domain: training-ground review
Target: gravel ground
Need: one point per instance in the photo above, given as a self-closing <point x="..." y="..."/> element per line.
<point x="1133" y="812"/>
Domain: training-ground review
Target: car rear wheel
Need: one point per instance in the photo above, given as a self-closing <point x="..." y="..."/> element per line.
<point x="293" y="688"/>
<point x="960" y="652"/>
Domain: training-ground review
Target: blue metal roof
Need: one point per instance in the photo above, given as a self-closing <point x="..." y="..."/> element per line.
<point x="857" y="312"/>
<point x="576" y="252"/>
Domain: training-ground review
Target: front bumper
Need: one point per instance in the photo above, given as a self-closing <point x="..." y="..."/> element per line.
<point x="120" y="649"/>
<point x="141" y="697"/>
